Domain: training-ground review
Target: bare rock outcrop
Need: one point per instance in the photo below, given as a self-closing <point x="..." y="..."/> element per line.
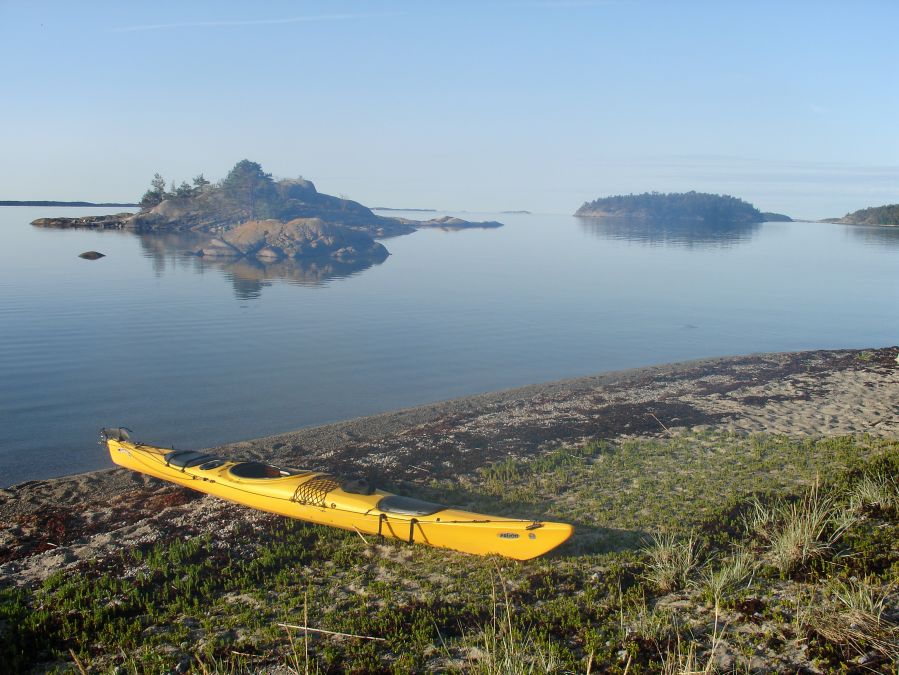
<point x="301" y="238"/>
<point x="115" y="221"/>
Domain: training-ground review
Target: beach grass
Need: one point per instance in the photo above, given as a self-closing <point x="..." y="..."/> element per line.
<point x="701" y="551"/>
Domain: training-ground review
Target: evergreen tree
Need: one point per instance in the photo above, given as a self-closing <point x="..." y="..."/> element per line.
<point x="155" y="194"/>
<point x="250" y="189"/>
<point x="158" y="184"/>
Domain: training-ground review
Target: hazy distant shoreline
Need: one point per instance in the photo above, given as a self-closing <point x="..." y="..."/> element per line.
<point x="389" y="208"/>
<point x="48" y="202"/>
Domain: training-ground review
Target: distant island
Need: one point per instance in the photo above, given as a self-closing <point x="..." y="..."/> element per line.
<point x="451" y="223"/>
<point x="695" y="206"/>
<point x="46" y="202"/>
<point x="776" y="217"/>
<point x="387" y="208"/>
<point x="519" y="212"/>
<point x="875" y="215"/>
<point x="248" y="214"/>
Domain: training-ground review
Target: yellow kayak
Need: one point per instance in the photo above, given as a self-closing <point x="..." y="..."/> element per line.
<point x="348" y="504"/>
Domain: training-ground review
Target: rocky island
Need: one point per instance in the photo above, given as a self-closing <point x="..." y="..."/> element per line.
<point x="695" y="206"/>
<point x="248" y="214"/>
<point x="247" y="193"/>
<point x="452" y="223"/>
<point x="875" y="215"/>
<point x="255" y="228"/>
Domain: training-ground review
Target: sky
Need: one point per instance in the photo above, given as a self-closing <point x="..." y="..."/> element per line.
<point x="493" y="105"/>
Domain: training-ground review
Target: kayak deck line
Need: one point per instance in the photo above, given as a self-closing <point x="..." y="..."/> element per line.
<point x="325" y="499"/>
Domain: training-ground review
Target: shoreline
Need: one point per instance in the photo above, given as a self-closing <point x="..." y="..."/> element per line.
<point x="777" y="392"/>
<point x="650" y="386"/>
<point x="47" y="525"/>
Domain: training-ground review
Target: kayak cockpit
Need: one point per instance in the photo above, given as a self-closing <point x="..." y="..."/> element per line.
<point x="256" y="470"/>
<point x="187" y="459"/>
<point x="192" y="459"/>
<point x="408" y="506"/>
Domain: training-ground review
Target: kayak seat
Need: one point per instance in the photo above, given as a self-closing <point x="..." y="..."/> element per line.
<point x="408" y="506"/>
<point x="255" y="470"/>
<point x="184" y="459"/>
<point x="357" y="486"/>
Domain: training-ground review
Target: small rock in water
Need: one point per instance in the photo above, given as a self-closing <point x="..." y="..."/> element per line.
<point x="91" y="255"/>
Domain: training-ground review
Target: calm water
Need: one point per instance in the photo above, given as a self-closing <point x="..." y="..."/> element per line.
<point x="200" y="354"/>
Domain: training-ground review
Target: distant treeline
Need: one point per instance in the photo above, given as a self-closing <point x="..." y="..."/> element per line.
<point x="776" y="217"/>
<point x="44" y="202"/>
<point x="674" y="205"/>
<point x="875" y="215"/>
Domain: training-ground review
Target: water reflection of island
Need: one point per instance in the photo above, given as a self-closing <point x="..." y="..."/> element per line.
<point x="876" y="235"/>
<point x="248" y="275"/>
<point x="672" y="232"/>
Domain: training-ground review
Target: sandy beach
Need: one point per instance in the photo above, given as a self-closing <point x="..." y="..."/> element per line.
<point x="52" y="524"/>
